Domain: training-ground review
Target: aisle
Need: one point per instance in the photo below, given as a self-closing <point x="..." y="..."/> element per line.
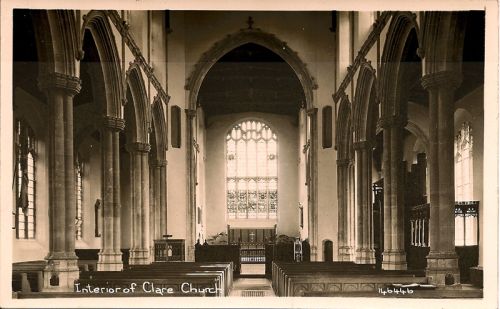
<point x="252" y="287"/>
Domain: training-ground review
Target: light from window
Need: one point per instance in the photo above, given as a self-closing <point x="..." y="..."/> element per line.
<point x="25" y="181"/>
<point x="466" y="210"/>
<point x="252" y="171"/>
<point x="79" y="200"/>
<point x="463" y="164"/>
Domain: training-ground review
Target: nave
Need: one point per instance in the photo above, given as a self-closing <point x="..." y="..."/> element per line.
<point x="343" y="153"/>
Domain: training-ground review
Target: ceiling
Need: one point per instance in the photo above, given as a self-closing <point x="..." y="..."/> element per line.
<point x="251" y="78"/>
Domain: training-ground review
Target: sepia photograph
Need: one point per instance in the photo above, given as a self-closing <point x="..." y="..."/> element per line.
<point x="323" y="155"/>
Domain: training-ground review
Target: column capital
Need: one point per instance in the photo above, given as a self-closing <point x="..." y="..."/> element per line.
<point x="312" y="111"/>
<point x="343" y="162"/>
<point x="138" y="147"/>
<point x="362" y="145"/>
<point x="392" y="121"/>
<point x="442" y="79"/>
<point x="113" y="123"/>
<point x="158" y="163"/>
<point x="71" y="84"/>
<point x="191" y="113"/>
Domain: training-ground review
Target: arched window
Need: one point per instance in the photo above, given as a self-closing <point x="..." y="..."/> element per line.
<point x="466" y="210"/>
<point x="463" y="163"/>
<point x="252" y="171"/>
<point x="25" y="181"/>
<point x="79" y="199"/>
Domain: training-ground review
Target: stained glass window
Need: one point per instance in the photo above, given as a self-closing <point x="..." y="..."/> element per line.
<point x="25" y="181"/>
<point x="252" y="171"/>
<point x="79" y="200"/>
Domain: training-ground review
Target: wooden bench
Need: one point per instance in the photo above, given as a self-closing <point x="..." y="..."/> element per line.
<point x="28" y="276"/>
<point x="226" y="268"/>
<point x="207" y="278"/>
<point x="299" y="279"/>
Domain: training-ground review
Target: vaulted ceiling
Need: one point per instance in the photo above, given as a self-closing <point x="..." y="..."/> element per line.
<point x="251" y="78"/>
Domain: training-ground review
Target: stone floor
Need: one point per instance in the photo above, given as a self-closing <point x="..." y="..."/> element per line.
<point x="253" y="269"/>
<point x="252" y="287"/>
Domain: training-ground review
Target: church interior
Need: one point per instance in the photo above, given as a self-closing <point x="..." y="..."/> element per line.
<point x="248" y="153"/>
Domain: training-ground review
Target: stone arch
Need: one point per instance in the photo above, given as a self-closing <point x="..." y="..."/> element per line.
<point x="257" y="36"/>
<point x="414" y="129"/>
<point x="139" y="128"/>
<point x="57" y="42"/>
<point x="402" y="24"/>
<point x="365" y="104"/>
<point x="98" y="24"/>
<point x="343" y="141"/>
<point x="442" y="41"/>
<point x="160" y="126"/>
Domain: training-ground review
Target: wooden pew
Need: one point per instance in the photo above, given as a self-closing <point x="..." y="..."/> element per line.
<point x="297" y="279"/>
<point x="28" y="276"/>
<point x="215" y="279"/>
<point x="226" y="268"/>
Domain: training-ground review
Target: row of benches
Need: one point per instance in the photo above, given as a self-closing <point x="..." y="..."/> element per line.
<point x="161" y="279"/>
<point x="332" y="278"/>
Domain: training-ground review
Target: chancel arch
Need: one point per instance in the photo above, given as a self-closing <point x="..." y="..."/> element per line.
<point x="300" y="94"/>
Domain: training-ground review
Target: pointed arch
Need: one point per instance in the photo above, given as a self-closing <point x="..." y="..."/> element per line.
<point x="365" y="104"/>
<point x="141" y="109"/>
<point x="257" y="36"/>
<point x="402" y="24"/>
<point x="98" y="24"/>
<point x="160" y="128"/>
<point x="57" y="43"/>
<point x="343" y="130"/>
<point x="443" y="41"/>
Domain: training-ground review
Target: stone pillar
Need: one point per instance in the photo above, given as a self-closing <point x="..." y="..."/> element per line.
<point x="312" y="117"/>
<point x="139" y="180"/>
<point x="159" y="168"/>
<point x="344" y="234"/>
<point x="163" y="197"/>
<point x="110" y="256"/>
<point x="394" y="256"/>
<point x="191" y="206"/>
<point x="61" y="269"/>
<point x="365" y="254"/>
<point x="442" y="260"/>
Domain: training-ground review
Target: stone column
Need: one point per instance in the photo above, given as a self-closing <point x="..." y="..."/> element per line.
<point x="344" y="235"/>
<point x="394" y="256"/>
<point x="351" y="208"/>
<point x="442" y="260"/>
<point x="312" y="117"/>
<point x="163" y="197"/>
<point x="110" y="256"/>
<point x="365" y="254"/>
<point x="191" y="206"/>
<point x="139" y="180"/>
<point x="61" y="269"/>
<point x="159" y="168"/>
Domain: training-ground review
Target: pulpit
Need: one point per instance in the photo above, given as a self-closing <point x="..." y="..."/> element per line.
<point x="169" y="250"/>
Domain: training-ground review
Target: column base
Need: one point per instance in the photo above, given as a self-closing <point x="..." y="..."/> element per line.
<point x="139" y="257"/>
<point x="394" y="260"/>
<point x="345" y="253"/>
<point x="110" y="261"/>
<point x="314" y="253"/>
<point x="60" y="273"/>
<point x="365" y="256"/>
<point x="442" y="269"/>
<point x="190" y="254"/>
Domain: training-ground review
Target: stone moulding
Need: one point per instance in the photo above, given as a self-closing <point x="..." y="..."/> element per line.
<point x="122" y="27"/>
<point x="244" y="36"/>
<point x="378" y="26"/>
